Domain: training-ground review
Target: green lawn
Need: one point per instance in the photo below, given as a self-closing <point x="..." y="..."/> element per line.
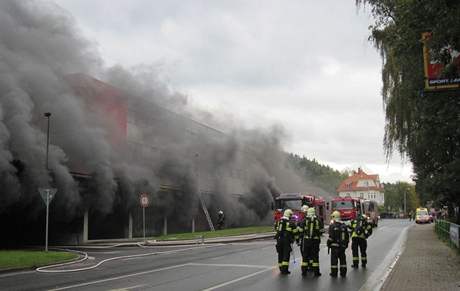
<point x="27" y="259"/>
<point x="217" y="233"/>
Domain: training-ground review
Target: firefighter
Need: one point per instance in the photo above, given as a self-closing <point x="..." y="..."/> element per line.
<point x="220" y="219"/>
<point x="338" y="243"/>
<point x="310" y="230"/>
<point x="360" y="231"/>
<point x="304" y="210"/>
<point x="286" y="234"/>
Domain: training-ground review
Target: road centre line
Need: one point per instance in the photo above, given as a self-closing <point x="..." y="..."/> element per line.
<point x="119" y="277"/>
<point x="128" y="288"/>
<point x="238" y="279"/>
<point x="265" y="268"/>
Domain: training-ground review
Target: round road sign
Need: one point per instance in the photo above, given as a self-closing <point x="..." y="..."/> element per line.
<point x="144" y="200"/>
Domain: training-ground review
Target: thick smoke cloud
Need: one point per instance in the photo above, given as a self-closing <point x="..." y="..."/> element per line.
<point x="43" y="59"/>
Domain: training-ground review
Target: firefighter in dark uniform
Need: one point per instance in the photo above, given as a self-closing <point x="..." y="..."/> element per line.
<point x="304" y="210"/>
<point x="220" y="219"/>
<point x="360" y="231"/>
<point x="310" y="230"/>
<point x="286" y="234"/>
<point x="338" y="243"/>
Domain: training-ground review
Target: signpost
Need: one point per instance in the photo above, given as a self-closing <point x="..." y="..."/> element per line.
<point x="47" y="195"/>
<point x="144" y="201"/>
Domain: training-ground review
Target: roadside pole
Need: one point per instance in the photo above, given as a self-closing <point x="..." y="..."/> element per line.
<point x="47" y="215"/>
<point x="47" y="195"/>
<point x="143" y="222"/>
<point x="144" y="201"/>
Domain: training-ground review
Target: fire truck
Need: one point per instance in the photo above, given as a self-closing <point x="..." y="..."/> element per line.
<point x="295" y="201"/>
<point x="348" y="207"/>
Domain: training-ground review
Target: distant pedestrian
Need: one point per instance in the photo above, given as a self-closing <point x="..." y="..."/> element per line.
<point x="410" y="215"/>
<point x="220" y="219"/>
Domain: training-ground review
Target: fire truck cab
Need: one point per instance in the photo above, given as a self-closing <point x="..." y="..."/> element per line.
<point x="295" y="201"/>
<point x="348" y="207"/>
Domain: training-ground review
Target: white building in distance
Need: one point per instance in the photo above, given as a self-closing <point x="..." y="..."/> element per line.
<point x="362" y="185"/>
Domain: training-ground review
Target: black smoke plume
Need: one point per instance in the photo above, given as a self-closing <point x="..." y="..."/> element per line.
<point x="47" y="66"/>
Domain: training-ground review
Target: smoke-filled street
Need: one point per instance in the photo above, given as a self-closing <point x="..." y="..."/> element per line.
<point x="234" y="266"/>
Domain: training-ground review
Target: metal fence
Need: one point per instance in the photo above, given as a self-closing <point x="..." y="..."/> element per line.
<point x="448" y="232"/>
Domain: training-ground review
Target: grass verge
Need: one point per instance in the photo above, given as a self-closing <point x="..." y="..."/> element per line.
<point x="217" y="233"/>
<point x="16" y="259"/>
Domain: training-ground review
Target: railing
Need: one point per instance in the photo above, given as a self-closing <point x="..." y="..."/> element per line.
<point x="448" y="232"/>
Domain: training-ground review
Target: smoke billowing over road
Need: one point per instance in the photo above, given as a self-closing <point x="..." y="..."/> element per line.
<point x="137" y="138"/>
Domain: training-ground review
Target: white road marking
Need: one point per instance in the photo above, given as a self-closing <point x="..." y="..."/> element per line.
<point x="238" y="279"/>
<point x="128" y="288"/>
<point x="16" y="274"/>
<point x="232" y="265"/>
<point x="118" y="277"/>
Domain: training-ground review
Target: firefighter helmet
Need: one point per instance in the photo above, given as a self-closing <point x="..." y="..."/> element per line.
<point x="304" y="208"/>
<point x="311" y="212"/>
<point x="287" y="213"/>
<point x="335" y="215"/>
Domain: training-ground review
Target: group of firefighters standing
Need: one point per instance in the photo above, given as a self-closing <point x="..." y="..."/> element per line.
<point x="307" y="234"/>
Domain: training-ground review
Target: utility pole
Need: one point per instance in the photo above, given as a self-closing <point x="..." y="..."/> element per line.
<point x="405" y="208"/>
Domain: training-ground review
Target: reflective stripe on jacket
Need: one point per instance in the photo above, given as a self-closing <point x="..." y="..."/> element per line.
<point x="360" y="228"/>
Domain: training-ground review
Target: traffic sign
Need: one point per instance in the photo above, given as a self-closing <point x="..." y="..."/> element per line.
<point x="144" y="200"/>
<point x="47" y="191"/>
<point x="47" y="195"/>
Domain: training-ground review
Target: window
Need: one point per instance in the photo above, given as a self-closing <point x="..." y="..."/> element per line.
<point x="342" y="205"/>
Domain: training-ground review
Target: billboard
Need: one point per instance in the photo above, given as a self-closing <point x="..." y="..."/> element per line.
<point x="442" y="72"/>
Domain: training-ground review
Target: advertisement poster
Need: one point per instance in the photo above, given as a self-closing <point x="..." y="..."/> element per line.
<point x="454" y="234"/>
<point x="443" y="73"/>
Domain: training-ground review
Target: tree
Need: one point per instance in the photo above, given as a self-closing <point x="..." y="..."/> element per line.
<point x="424" y="126"/>
<point x="394" y="197"/>
<point x="317" y="174"/>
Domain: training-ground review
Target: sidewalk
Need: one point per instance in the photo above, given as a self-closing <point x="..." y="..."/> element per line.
<point x="426" y="264"/>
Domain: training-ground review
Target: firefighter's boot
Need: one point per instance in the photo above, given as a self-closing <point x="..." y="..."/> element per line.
<point x="343" y="272"/>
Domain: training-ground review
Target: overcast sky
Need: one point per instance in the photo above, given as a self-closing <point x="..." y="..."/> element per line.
<point x="306" y="65"/>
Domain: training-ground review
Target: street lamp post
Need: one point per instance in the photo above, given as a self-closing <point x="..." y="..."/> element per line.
<point x="405" y="207"/>
<point x="47" y="115"/>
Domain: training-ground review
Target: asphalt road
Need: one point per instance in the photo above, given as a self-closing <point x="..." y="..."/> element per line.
<point x="236" y="266"/>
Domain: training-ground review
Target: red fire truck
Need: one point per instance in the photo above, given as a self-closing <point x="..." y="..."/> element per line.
<point x="348" y="207"/>
<point x="295" y="201"/>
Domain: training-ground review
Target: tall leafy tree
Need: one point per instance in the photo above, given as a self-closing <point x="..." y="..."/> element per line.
<point x="394" y="197"/>
<point x="424" y="126"/>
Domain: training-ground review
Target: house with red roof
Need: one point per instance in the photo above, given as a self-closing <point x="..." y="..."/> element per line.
<point x="362" y="185"/>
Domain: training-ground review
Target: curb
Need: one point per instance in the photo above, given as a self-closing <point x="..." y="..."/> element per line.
<point x="198" y="240"/>
<point x="216" y="240"/>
